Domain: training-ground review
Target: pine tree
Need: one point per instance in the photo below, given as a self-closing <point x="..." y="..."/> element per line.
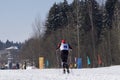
<point x="57" y="17"/>
<point x="115" y="34"/>
<point x="52" y="20"/>
<point x="110" y="6"/>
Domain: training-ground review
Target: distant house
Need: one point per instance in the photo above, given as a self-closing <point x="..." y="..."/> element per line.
<point x="8" y="55"/>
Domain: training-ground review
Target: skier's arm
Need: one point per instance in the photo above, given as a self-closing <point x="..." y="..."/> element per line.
<point x="58" y="46"/>
<point x="70" y="47"/>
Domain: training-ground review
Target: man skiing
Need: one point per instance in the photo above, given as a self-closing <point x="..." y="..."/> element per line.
<point x="64" y="49"/>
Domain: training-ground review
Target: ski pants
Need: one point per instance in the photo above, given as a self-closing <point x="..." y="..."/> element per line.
<point x="64" y="58"/>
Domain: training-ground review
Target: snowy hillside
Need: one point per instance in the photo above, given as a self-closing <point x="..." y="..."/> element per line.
<point x="107" y="73"/>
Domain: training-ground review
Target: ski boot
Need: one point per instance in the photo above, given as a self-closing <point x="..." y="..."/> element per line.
<point x="68" y="71"/>
<point x="64" y="71"/>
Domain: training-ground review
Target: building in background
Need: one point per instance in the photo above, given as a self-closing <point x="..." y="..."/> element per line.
<point x="9" y="57"/>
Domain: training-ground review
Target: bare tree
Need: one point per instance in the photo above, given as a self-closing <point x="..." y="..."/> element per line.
<point x="38" y="28"/>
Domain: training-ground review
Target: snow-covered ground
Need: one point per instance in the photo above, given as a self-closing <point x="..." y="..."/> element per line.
<point x="106" y="73"/>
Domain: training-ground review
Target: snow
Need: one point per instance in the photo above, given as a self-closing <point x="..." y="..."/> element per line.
<point x="12" y="47"/>
<point x="103" y="73"/>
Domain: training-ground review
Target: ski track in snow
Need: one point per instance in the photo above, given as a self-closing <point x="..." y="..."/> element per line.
<point x="104" y="73"/>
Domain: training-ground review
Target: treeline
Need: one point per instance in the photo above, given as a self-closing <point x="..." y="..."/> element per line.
<point x="8" y="43"/>
<point x="91" y="28"/>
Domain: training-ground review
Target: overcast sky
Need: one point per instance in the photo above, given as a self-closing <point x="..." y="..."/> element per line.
<point x="17" y="17"/>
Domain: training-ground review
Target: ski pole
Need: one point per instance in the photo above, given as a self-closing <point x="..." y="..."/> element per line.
<point x="70" y="61"/>
<point x="57" y="59"/>
<point x="58" y="64"/>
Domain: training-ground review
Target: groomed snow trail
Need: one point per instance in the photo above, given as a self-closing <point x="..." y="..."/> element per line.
<point x="104" y="73"/>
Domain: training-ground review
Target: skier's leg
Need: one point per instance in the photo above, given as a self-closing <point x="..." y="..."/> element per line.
<point x="64" y="66"/>
<point x="63" y="61"/>
<point x="67" y="66"/>
<point x="64" y="57"/>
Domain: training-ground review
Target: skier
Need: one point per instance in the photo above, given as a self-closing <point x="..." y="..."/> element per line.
<point x="64" y="49"/>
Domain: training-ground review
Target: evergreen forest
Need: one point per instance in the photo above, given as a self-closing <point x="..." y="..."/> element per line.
<point x="90" y="27"/>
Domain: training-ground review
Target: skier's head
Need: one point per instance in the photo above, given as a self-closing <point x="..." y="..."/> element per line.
<point x="63" y="41"/>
